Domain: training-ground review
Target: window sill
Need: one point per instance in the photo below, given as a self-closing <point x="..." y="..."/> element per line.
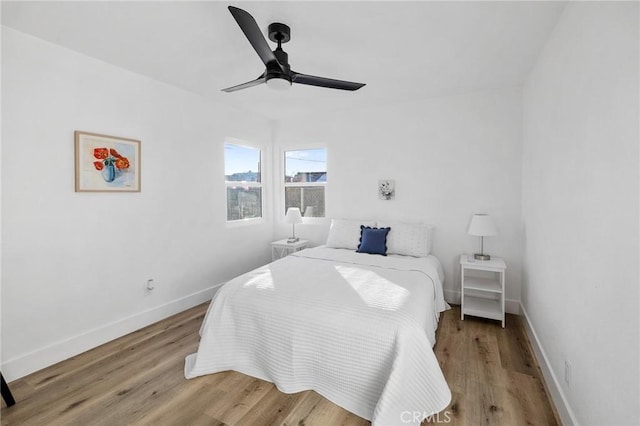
<point x="244" y="222"/>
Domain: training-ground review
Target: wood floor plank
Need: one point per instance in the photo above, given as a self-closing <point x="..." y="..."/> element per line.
<point x="138" y="380"/>
<point x="488" y="407"/>
<point x="528" y="395"/>
<point x="315" y="410"/>
<point x="483" y="358"/>
<point x="185" y="403"/>
<point x="514" y="350"/>
<point x="202" y="420"/>
<point x="300" y="413"/>
<point x="241" y="400"/>
<point x="272" y="409"/>
<point x="454" y="415"/>
<point x="452" y="356"/>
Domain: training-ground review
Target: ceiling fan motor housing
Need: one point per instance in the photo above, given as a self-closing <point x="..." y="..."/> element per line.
<point x="279" y="32"/>
<point x="275" y="71"/>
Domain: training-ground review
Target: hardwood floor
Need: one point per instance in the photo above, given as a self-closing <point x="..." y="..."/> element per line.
<point x="138" y="379"/>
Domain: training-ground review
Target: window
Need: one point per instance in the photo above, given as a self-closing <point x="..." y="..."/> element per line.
<point x="305" y="178"/>
<point x="244" y="182"/>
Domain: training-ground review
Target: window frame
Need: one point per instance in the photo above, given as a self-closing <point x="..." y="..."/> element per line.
<point x="281" y="212"/>
<point x="252" y="220"/>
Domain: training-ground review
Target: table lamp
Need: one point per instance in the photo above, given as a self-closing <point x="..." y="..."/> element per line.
<point x="482" y="226"/>
<point x="293" y="216"/>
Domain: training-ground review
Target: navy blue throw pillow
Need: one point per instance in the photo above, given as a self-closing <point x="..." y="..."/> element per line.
<point x="373" y="240"/>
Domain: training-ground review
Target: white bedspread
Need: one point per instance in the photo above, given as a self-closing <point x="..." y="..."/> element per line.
<point x="356" y="328"/>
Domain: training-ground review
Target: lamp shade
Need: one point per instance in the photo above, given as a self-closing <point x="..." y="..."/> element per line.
<point x="482" y="226"/>
<point x="293" y="216"/>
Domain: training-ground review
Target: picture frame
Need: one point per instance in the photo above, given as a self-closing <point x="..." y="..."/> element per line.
<point x="106" y="163"/>
<point x="386" y="189"/>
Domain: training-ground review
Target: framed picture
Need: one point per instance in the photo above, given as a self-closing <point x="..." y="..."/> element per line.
<point x="106" y="163"/>
<point x="386" y="189"/>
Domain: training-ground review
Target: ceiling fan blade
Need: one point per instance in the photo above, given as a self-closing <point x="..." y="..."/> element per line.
<point x="246" y="85"/>
<point x="250" y="29"/>
<point x="312" y="80"/>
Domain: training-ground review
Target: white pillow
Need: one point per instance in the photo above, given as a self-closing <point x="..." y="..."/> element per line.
<point x="409" y="239"/>
<point x="345" y="233"/>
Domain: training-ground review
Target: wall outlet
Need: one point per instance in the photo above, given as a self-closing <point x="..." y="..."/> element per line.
<point x="150" y="286"/>
<point x="567" y="373"/>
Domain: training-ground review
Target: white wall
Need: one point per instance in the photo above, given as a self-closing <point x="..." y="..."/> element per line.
<point x="580" y="210"/>
<point x="450" y="157"/>
<point x="74" y="264"/>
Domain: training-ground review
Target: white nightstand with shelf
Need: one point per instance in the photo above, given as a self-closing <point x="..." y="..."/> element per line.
<point x="482" y="295"/>
<point x="282" y="248"/>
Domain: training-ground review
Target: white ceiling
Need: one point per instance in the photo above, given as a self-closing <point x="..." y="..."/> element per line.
<point x="402" y="50"/>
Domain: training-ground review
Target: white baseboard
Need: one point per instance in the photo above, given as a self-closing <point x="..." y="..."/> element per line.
<point x="510" y="305"/>
<point x="36" y="360"/>
<point x="567" y="417"/>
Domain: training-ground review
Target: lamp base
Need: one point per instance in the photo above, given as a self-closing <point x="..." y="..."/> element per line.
<point x="481" y="256"/>
<point x="292" y="240"/>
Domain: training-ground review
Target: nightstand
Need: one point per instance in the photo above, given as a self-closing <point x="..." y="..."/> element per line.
<point x="482" y="287"/>
<point x="282" y="248"/>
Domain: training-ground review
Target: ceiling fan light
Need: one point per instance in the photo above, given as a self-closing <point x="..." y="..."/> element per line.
<point x="278" y="83"/>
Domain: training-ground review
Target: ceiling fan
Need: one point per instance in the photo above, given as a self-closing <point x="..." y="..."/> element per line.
<point x="278" y="74"/>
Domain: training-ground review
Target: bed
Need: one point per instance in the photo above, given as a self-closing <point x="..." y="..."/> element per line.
<point x="356" y="328"/>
